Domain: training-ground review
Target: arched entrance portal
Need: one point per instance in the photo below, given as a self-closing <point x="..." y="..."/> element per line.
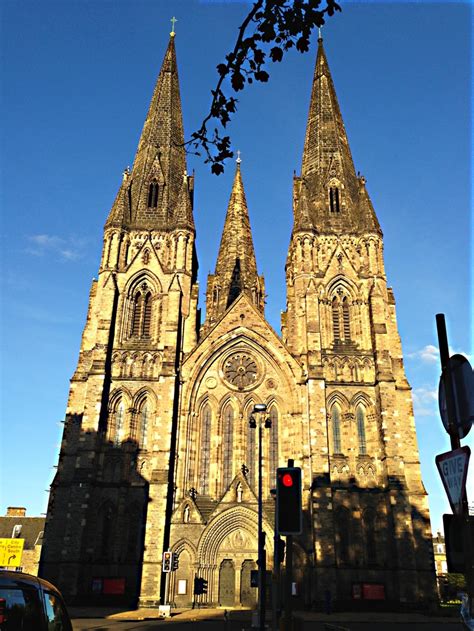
<point x="227" y="552"/>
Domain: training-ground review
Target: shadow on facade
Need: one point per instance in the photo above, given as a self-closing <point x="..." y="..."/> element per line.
<point x="373" y="549"/>
<point x="95" y="526"/>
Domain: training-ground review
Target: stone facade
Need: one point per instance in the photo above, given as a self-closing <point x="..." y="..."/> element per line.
<point x="157" y="452"/>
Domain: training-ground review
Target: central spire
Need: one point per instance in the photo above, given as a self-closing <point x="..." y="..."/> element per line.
<point x="151" y="193"/>
<point x="329" y="195"/>
<point x="236" y="267"/>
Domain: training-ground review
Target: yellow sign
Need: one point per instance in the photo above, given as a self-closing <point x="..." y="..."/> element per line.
<point x="10" y="552"/>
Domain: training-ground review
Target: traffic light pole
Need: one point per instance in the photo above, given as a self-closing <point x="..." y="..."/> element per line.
<point x="261" y="536"/>
<point x="453" y="419"/>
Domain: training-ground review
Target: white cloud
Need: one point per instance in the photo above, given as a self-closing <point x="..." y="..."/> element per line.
<point x="68" y="249"/>
<point x="428" y="353"/>
<point x="425" y="401"/>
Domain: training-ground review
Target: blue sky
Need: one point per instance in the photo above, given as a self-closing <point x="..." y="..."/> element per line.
<point x="77" y="77"/>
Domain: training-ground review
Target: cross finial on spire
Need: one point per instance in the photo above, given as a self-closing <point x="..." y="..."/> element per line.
<point x="238" y="158"/>
<point x="173" y="22"/>
<point x="320" y="34"/>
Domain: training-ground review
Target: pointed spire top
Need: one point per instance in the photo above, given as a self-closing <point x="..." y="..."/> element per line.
<point x="238" y="159"/>
<point x="236" y="267"/>
<point x="173" y="22"/>
<point x="155" y="181"/>
<point x="333" y="199"/>
<point x="320" y="35"/>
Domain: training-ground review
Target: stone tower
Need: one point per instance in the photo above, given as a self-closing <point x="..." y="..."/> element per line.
<point x="157" y="451"/>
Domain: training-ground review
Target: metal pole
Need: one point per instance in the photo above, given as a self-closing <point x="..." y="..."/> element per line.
<point x="448" y="380"/>
<point x="288" y="581"/>
<point x="453" y="420"/>
<point x="261" y="595"/>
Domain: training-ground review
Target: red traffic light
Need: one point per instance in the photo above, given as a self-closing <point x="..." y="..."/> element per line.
<point x="287" y="479"/>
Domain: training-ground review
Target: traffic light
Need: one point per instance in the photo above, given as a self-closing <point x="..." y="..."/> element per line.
<point x="280" y="550"/>
<point x="167" y="561"/>
<point x="200" y="586"/>
<point x="175" y="561"/>
<point x="454" y="537"/>
<point x="288" y="501"/>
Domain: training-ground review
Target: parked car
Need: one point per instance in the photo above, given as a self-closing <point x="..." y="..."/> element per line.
<point x="29" y="603"/>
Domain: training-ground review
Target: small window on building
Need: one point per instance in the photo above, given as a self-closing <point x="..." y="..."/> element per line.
<point x="360" y="418"/>
<point x="334" y="199"/>
<point x="153" y="191"/>
<point x="336" y="429"/>
<point x="16" y="531"/>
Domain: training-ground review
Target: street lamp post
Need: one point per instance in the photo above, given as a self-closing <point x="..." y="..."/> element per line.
<point x="259" y="412"/>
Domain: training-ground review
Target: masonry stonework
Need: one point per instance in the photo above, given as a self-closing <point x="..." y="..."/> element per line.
<point x="157" y="453"/>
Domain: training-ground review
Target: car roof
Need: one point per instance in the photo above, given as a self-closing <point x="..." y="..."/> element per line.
<point x="20" y="579"/>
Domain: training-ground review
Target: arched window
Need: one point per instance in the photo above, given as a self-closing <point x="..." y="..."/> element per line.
<point x="144" y="415"/>
<point x="146" y="326"/>
<point x="136" y="315"/>
<point x="342" y="523"/>
<point x="153" y="191"/>
<point x="250" y="457"/>
<point x="370" y="525"/>
<point x="119" y="419"/>
<point x="334" y="199"/>
<point x="336" y="429"/>
<point x="206" y="420"/>
<point x="273" y="444"/>
<point x="141" y="313"/>
<point x="105" y="531"/>
<point x="360" y="418"/>
<point x="335" y="320"/>
<point x="228" y="434"/>
<point x="341" y="319"/>
<point x="345" y="319"/>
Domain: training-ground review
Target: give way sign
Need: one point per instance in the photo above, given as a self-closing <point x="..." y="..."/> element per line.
<point x="452" y="467"/>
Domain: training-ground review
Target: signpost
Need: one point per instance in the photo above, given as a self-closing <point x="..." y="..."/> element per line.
<point x="452" y="467"/>
<point x="457" y="410"/>
<point x="462" y="382"/>
<point x="11" y="551"/>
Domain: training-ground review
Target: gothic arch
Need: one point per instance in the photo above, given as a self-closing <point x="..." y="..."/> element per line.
<point x="337" y="397"/>
<point x="120" y="393"/>
<point x="348" y="287"/>
<point x="142" y="394"/>
<point x="361" y="398"/>
<point x="236" y="518"/>
<point x="143" y="276"/>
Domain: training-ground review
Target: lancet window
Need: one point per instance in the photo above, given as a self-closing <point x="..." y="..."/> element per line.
<point x="370" y="525"/>
<point x="360" y="419"/>
<point x="273" y="443"/>
<point x="343" y="534"/>
<point x="144" y="416"/>
<point x="250" y="456"/>
<point x="141" y="313"/>
<point x="206" y="420"/>
<point x="153" y="193"/>
<point x="228" y="435"/>
<point x="118" y="421"/>
<point x="334" y="199"/>
<point x="336" y="429"/>
<point x="341" y="319"/>
<point x="105" y="530"/>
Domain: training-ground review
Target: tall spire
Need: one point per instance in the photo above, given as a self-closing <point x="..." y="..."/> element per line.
<point x="335" y="195"/>
<point x="154" y="186"/>
<point x="236" y="267"/>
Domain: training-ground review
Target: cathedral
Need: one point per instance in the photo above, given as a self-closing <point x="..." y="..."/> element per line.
<point x="157" y="453"/>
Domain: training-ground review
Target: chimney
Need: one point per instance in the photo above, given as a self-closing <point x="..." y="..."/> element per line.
<point x="16" y="511"/>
